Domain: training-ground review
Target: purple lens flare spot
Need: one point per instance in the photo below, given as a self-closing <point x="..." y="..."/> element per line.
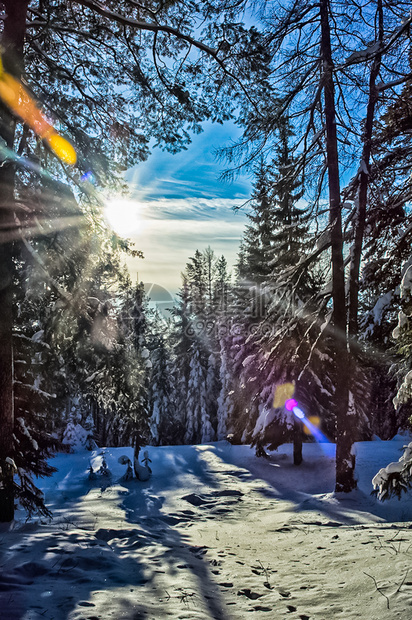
<point x="290" y="404"/>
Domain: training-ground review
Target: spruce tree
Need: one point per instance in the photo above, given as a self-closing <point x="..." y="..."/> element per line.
<point x="273" y="343"/>
<point x="181" y="338"/>
<point x="165" y="426"/>
<point x="198" y="424"/>
<point x="257" y="238"/>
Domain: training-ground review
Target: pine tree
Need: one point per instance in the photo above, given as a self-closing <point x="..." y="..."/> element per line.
<point x="198" y="425"/>
<point x="269" y="349"/>
<point x="181" y="339"/>
<point x="386" y="248"/>
<point x="257" y="239"/>
<point x="196" y="335"/>
<point x="221" y="287"/>
<point x="165" y="426"/>
<point x="198" y="284"/>
<point x="34" y="442"/>
<point x="290" y="223"/>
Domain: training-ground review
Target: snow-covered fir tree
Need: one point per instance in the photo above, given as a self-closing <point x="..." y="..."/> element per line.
<point x="196" y="346"/>
<point x="403" y="336"/>
<point x="275" y="342"/>
<point x="166" y="427"/>
<point x="198" y="425"/>
<point x="181" y="342"/>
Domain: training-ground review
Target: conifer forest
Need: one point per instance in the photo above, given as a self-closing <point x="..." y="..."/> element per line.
<point x="317" y="306"/>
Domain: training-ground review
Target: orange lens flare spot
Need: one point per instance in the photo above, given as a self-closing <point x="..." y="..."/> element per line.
<point x="10" y="91"/>
<point x="283" y="393"/>
<point x="19" y="100"/>
<point x="62" y="148"/>
<point x="315" y="421"/>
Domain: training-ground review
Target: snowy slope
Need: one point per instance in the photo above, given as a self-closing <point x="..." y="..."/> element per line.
<point x="215" y="533"/>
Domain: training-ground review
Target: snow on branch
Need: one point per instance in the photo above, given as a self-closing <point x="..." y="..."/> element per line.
<point x="26" y="433"/>
<point x="374" y="317"/>
<point x="33" y="390"/>
<point x="385" y="85"/>
<point x="32" y="341"/>
<point x="376" y="47"/>
<point x="404" y="392"/>
<point x="361" y="55"/>
<point x="395" y="478"/>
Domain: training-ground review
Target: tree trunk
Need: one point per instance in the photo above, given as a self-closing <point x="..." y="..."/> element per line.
<point x="297" y="442"/>
<point x="345" y="465"/>
<point x="137" y="445"/>
<point x="12" y="43"/>
<point x="356" y="252"/>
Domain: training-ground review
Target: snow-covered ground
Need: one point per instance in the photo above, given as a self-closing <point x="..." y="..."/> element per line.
<point x="215" y="533"/>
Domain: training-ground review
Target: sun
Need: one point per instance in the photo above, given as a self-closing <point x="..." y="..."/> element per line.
<point x="124" y="216"/>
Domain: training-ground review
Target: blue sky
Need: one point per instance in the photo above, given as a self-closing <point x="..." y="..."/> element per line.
<point x="177" y="205"/>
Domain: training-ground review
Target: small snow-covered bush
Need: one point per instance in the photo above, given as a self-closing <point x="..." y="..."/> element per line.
<point x="75" y="437"/>
<point x="395" y="478"/>
<point x="124" y="460"/>
<point x="104" y="469"/>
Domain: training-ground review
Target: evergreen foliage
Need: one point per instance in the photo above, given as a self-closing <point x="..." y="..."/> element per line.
<point x="394" y="479"/>
<point x="275" y="304"/>
<point x="315" y="302"/>
<point x="136" y="79"/>
<point x="166" y="425"/>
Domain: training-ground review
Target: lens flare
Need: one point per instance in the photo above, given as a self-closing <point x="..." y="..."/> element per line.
<point x="87" y="177"/>
<point x="283" y="393"/>
<point x="62" y="148"/>
<point x="298" y="413"/>
<point x="291" y="404"/>
<point x="312" y="429"/>
<point x="22" y="104"/>
<point x="314" y="420"/>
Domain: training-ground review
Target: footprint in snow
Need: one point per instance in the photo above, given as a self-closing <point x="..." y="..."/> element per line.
<point x="210" y="499"/>
<point x="215" y="562"/>
<point x="198" y="551"/>
<point x="228" y="493"/>
<point x="247" y="592"/>
<point x="198" y="500"/>
<point x="284" y="593"/>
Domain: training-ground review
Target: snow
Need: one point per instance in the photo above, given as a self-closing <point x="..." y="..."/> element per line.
<point x="38" y="336"/>
<point x="360" y="55"/>
<point x="214" y="533"/>
<point x="265" y="417"/>
<point x="406" y="284"/>
<point x="75" y="436"/>
<point x="26" y="433"/>
<point x="376" y="314"/>
<point x="35" y="390"/>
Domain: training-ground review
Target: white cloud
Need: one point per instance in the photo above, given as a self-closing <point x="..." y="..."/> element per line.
<point x="181" y="205"/>
<point x="173" y="229"/>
